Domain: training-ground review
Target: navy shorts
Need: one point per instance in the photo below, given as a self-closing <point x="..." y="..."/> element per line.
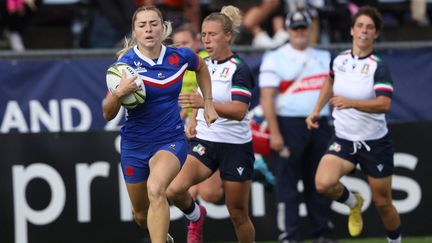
<point x="375" y="157"/>
<point x="135" y="162"/>
<point x="235" y="161"/>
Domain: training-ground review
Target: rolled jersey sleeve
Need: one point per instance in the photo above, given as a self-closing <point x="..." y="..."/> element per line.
<point x="268" y="77"/>
<point x="383" y="82"/>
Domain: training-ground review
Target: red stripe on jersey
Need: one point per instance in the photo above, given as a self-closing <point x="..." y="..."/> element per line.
<point x="384" y="89"/>
<point x="241" y="93"/>
<point x="146" y="82"/>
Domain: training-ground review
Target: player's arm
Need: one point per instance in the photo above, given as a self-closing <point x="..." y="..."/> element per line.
<point x="325" y="94"/>
<point x="380" y="104"/>
<point x="112" y="102"/>
<point x="383" y="87"/>
<point x="204" y="82"/>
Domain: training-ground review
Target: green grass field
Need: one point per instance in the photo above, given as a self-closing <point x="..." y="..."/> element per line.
<point x="368" y="240"/>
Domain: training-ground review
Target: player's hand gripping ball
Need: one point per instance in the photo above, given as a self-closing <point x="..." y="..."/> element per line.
<point x="113" y="78"/>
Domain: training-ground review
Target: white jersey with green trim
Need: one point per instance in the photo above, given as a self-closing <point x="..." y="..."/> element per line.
<point x="231" y="80"/>
<point x="360" y="78"/>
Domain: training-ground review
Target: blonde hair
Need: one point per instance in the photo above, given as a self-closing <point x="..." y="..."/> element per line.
<point x="129" y="43"/>
<point x="230" y="19"/>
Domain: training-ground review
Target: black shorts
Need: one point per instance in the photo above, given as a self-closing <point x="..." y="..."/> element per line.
<point x="375" y="157"/>
<point x="235" y="161"/>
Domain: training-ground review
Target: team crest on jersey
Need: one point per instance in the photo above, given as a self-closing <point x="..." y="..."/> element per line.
<point x="174" y="60"/>
<point x="335" y="147"/>
<point x="365" y="69"/>
<point x="199" y="149"/>
<point x="224" y="72"/>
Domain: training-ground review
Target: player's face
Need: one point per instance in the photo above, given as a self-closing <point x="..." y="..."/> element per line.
<point x="299" y="37"/>
<point x="364" y="32"/>
<point x="184" y="39"/>
<point x="148" y="29"/>
<point x="215" y="41"/>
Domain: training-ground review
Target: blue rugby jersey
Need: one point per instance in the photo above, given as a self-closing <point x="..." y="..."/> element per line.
<point x="158" y="118"/>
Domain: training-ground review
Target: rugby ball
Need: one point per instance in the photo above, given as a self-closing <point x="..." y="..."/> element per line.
<point x="113" y="78"/>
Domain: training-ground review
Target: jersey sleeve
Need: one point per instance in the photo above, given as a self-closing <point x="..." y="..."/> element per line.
<point x="331" y="72"/>
<point x="383" y="82"/>
<point x="268" y="77"/>
<point x="242" y="83"/>
<point x="191" y="58"/>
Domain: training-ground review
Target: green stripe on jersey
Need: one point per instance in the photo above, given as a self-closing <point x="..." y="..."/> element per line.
<point x="240" y="89"/>
<point x="376" y="58"/>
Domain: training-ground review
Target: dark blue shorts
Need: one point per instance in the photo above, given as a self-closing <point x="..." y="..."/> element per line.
<point x="235" y="161"/>
<point x="375" y="157"/>
<point x="135" y="162"/>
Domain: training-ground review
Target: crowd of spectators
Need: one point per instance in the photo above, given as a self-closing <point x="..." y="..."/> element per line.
<point x="105" y="23"/>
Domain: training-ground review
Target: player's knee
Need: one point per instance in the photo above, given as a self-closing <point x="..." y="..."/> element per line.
<point x="238" y="215"/>
<point x="383" y="204"/>
<point x="155" y="191"/>
<point x="175" y="190"/>
<point x="324" y="186"/>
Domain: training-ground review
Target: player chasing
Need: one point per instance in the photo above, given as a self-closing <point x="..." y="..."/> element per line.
<point x="153" y="142"/>
<point x="227" y="144"/>
<point x="360" y="89"/>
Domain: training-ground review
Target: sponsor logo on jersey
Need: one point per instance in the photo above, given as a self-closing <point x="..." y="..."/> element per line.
<point x="173" y="146"/>
<point x="335" y="147"/>
<point x="160" y="75"/>
<point x="380" y="167"/>
<point x="240" y="170"/>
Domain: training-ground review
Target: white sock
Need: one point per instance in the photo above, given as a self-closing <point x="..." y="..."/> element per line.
<point x="398" y="240"/>
<point x="351" y="201"/>
<point x="195" y="215"/>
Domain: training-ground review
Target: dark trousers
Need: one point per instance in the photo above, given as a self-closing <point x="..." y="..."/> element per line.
<point x="306" y="148"/>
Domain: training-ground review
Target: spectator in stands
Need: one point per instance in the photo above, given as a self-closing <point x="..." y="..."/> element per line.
<point x="359" y="88"/>
<point x="258" y="14"/>
<point x="153" y="142"/>
<point x="110" y="22"/>
<point x="290" y="79"/>
<point x="227" y="145"/>
<point x="419" y="12"/>
<point x="211" y="189"/>
<point x="15" y="17"/>
<point x="178" y="11"/>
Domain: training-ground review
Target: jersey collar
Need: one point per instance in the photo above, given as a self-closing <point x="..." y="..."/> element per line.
<point x="363" y="57"/>
<point x="148" y="60"/>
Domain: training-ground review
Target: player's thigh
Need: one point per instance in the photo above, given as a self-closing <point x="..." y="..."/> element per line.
<point x="192" y="173"/>
<point x="164" y="166"/>
<point x="331" y="168"/>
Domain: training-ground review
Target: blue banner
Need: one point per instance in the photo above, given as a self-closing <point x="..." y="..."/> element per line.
<point x="66" y="95"/>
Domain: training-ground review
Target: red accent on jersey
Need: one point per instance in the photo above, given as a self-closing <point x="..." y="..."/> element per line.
<point x="284" y="85"/>
<point x="147" y="82"/>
